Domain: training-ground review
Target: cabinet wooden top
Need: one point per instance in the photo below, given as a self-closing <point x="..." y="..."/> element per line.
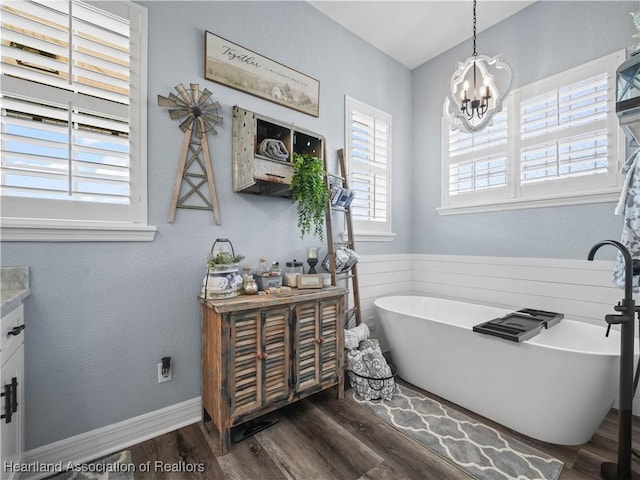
<point x="245" y="302"/>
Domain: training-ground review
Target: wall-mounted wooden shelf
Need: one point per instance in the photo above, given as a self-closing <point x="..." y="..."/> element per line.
<point x="260" y="174"/>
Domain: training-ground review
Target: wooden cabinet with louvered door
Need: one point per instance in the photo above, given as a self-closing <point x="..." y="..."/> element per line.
<point x="260" y="341"/>
<point x="316" y="339"/>
<point x="262" y="353"/>
<point x="246" y="358"/>
<point x="276" y="366"/>
<point x="306" y="346"/>
<point x="332" y="342"/>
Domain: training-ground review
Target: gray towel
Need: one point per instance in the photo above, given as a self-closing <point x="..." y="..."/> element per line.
<point x="353" y="336"/>
<point x="273" y="148"/>
<point x="629" y="208"/>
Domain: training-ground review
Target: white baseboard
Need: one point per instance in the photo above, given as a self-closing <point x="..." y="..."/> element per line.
<point x="112" y="438"/>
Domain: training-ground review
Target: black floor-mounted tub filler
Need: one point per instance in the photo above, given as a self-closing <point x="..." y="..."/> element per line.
<point x="627" y="309"/>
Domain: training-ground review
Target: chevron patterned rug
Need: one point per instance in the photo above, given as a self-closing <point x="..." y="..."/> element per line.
<point x="481" y="451"/>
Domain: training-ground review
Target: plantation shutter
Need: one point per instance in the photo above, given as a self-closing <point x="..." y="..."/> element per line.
<point x="369" y="162"/>
<point x="65" y="104"/>
<point x="564" y="132"/>
<point x="478" y="161"/>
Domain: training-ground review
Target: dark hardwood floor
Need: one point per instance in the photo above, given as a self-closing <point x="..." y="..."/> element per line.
<point x="322" y="438"/>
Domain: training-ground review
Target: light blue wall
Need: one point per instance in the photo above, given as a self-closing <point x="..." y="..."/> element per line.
<point x="543" y="39"/>
<point x="101" y="315"/>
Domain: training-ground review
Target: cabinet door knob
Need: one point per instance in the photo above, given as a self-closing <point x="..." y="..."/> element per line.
<point x="319" y="340"/>
<point x="16" y="330"/>
<point x="265" y="356"/>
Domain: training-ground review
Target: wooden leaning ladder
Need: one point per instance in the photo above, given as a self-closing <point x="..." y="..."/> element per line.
<point x="352" y="275"/>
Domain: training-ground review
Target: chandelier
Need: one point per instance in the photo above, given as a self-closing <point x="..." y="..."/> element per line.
<point x="477" y="89"/>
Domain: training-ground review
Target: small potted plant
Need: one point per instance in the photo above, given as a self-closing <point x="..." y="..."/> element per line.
<point x="223" y="260"/>
<point x="223" y="279"/>
<point x="309" y="190"/>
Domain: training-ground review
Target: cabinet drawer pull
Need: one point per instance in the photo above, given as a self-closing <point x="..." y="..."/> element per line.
<point x="8" y="403"/>
<point x="16" y="330"/>
<point x="14" y="397"/>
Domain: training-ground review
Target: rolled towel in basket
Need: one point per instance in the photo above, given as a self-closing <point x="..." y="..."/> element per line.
<point x="353" y="336"/>
<point x="369" y="373"/>
<point x="373" y="357"/>
<point x="273" y="148"/>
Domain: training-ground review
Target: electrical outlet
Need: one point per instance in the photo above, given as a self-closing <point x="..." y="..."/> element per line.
<point x="162" y="378"/>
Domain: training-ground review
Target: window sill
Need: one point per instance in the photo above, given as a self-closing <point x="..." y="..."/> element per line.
<point x="370" y="237"/>
<point x="610" y="196"/>
<point x="29" y="230"/>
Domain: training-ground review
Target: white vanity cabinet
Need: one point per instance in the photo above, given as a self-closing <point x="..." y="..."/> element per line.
<point x="12" y="392"/>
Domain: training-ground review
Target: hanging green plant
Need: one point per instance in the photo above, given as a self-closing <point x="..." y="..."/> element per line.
<point x="309" y="190"/>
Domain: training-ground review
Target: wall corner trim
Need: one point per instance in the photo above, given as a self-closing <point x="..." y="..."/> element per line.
<point x="112" y="438"/>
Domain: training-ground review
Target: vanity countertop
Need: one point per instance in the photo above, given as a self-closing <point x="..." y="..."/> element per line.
<point x="14" y="287"/>
<point x="10" y="299"/>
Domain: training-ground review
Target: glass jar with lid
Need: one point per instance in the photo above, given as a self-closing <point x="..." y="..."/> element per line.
<point x="262" y="267"/>
<point x="250" y="286"/>
<point x="275" y="270"/>
<point x="291" y="272"/>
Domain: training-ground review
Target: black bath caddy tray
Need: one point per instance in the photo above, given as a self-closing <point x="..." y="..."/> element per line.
<point x="549" y="318"/>
<point x="519" y="326"/>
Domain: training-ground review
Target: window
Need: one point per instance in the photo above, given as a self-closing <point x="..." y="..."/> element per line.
<point x="73" y="121"/>
<point x="478" y="162"/>
<point x="556" y="142"/>
<point x="368" y="156"/>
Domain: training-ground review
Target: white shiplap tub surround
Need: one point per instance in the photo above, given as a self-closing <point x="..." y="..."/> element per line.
<point x="380" y="276"/>
<point x="580" y="289"/>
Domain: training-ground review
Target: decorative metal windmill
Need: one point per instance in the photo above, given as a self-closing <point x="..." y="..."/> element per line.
<point x="199" y="115"/>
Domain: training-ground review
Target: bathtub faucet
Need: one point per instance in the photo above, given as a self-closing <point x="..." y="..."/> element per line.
<point x="622" y="469"/>
<point x="627" y="305"/>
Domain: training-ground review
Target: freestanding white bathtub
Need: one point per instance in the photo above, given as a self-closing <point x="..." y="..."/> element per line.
<point x="556" y="387"/>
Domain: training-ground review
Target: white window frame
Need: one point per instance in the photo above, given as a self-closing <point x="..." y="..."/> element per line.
<point x="29" y="219"/>
<point x="370" y="231"/>
<point x="584" y="190"/>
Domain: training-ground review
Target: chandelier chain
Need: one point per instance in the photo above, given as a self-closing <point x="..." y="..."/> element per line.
<point x="475" y="54"/>
<point x="474" y="94"/>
